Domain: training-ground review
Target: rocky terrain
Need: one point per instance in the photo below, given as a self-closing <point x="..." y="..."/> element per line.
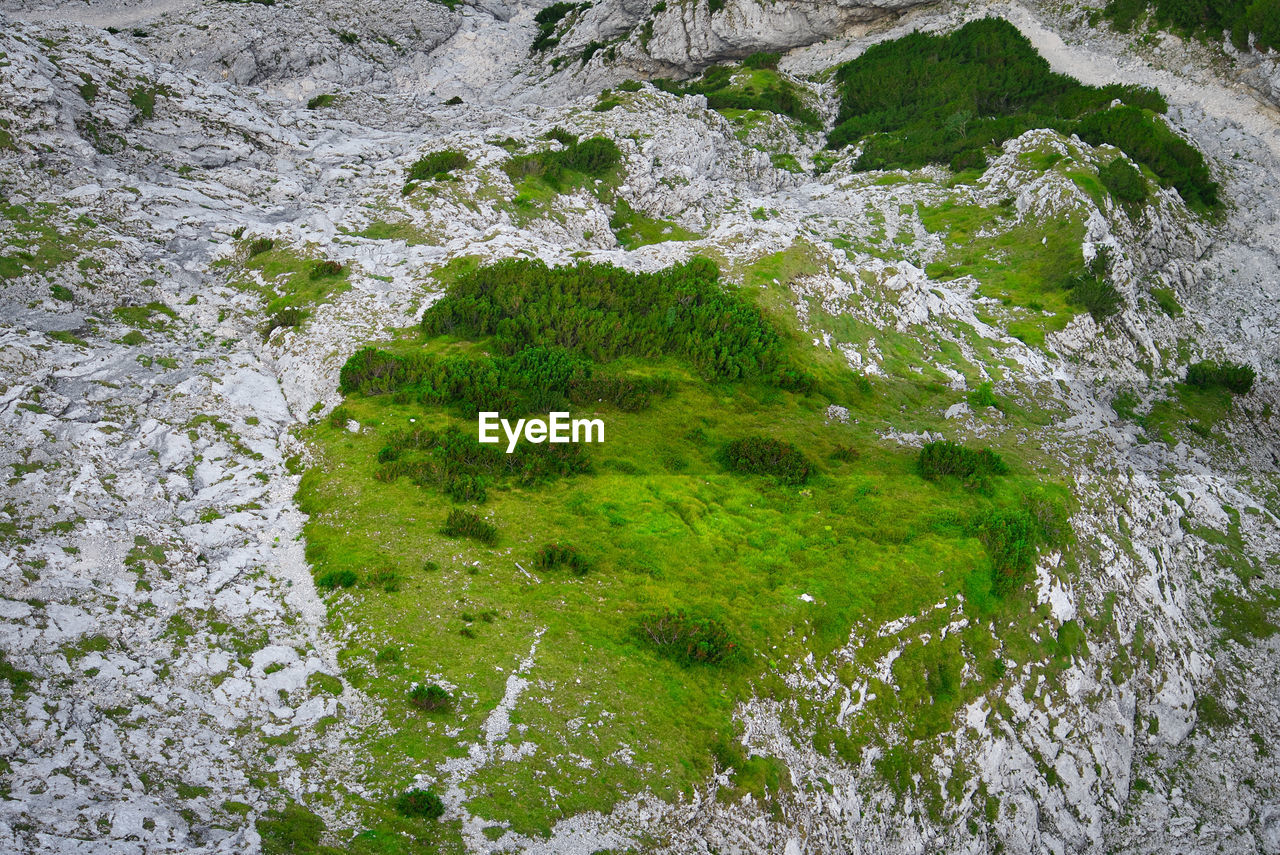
<point x="170" y="673"/>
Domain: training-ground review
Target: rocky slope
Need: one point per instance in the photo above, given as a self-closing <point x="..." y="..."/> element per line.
<point x="170" y="673"/>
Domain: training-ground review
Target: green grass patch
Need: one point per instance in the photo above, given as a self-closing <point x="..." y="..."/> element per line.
<point x="693" y="596"/>
<point x="292" y="280"/>
<point x="634" y="229"/>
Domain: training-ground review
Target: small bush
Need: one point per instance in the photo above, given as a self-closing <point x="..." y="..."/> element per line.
<point x="1011" y="538"/>
<point x="325" y="267"/>
<point x="454" y="101"/>
<point x="1097" y="295"/>
<point x="689" y="640"/>
<point x="417" y="803"/>
<point x="321" y="101"/>
<point x="761" y="455"/>
<point x="290" y="317"/>
<point x="554" y="555"/>
<point x="432" y="698"/>
<point x="846" y="453"/>
<point x="761" y="59"/>
<point x="1124" y="182"/>
<point x="438" y="164"/>
<point x="630" y="86"/>
<point x="331" y="579"/>
<point x="1231" y="376"/>
<point x="386" y="579"/>
<point x="467" y="524"/>
<point x="257" y="246"/>
<point x="942" y="458"/>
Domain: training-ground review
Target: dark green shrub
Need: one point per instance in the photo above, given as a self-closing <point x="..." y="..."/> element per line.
<point x="554" y="555"/>
<point x="592" y="157"/>
<point x="1225" y="375"/>
<point x="944" y="457"/>
<point x="290" y="317"/>
<point x="1148" y="140"/>
<point x="760" y="59"/>
<point x="339" y="416"/>
<point x="687" y="639"/>
<point x="1011" y="538"/>
<point x="547" y="20"/>
<point x="320" y="101"/>
<point x="590" y="50"/>
<point x="438" y="164"/>
<point x="599" y="312"/>
<point x="467" y="524"/>
<point x="386" y="579"/>
<point x="1241" y="18"/>
<point x="943" y="98"/>
<point x="454" y="101"/>
<point x="432" y="698"/>
<point x="630" y="86"/>
<point x="762" y="455"/>
<point x="846" y="453"/>
<point x="331" y="579"/>
<point x="1124" y="182"/>
<point x="257" y="246"/>
<point x="1096" y="294"/>
<point x="417" y="803"/>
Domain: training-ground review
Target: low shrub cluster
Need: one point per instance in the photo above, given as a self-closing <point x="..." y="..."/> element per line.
<point x="462" y="523"/>
<point x="689" y="640"/>
<point x="944" y="457"/>
<point x="438" y="164"/>
<point x="928" y="98"/>
<point x="289" y="317"/>
<point x="432" y="698"/>
<point x="603" y="312"/>
<point x="554" y="555"/>
<point x="592" y="157"/>
<point x="257" y="246"/>
<point x="1124" y="182"/>
<point x="547" y="20"/>
<point x="1241" y="19"/>
<point x="1092" y="288"/>
<point x="762" y="455"/>
<point x="331" y="579"/>
<point x="458" y="464"/>
<point x="325" y="267"/>
<point x="1231" y="376"/>
<point x="421" y="804"/>
<point x="764" y="90"/>
<point x="1013" y="538"/>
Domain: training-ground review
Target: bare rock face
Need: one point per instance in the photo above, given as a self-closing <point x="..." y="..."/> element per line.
<point x="689" y="36"/>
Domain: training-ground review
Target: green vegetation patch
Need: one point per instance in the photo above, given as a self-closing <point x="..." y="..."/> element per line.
<point x="944" y="99"/>
<point x="39" y="245"/>
<point x="662" y="586"/>
<point x="1033" y="266"/>
<point x="1242" y="19"/>
<point x="293" y="281"/>
<point x="754" y="87"/>
<point x="634" y="229"/>
<point x="566" y="167"/>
